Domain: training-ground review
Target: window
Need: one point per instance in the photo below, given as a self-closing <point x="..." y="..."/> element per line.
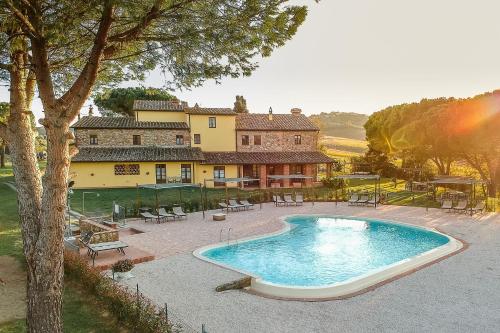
<point x="161" y="173"/>
<point x="93" y="139"/>
<point x="127" y="169"/>
<point x="186" y="173"/>
<point x="257" y="140"/>
<point x="219" y="172"/>
<point x="136" y="140"/>
<point x="197" y="139"/>
<point x="212" y="122"/>
<point x="298" y="139"/>
<point x="296" y="169"/>
<point x="179" y="139"/>
<point x="245" y="140"/>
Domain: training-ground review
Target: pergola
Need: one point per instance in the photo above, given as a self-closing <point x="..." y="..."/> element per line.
<point x="375" y="178"/>
<point x="226" y="181"/>
<point x="178" y="186"/>
<point x="457" y="180"/>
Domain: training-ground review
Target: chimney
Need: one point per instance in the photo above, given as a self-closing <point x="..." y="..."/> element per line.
<point x="270" y="113"/>
<point x="91" y="110"/>
<point x="296" y="111"/>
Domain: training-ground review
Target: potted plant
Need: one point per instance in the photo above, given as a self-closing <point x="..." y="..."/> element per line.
<point x="122" y="269"/>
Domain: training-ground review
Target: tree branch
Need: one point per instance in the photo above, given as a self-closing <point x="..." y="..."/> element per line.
<point x="6" y="67"/>
<point x="25" y="22"/>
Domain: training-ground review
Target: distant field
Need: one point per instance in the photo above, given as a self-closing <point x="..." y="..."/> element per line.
<point x="344" y="146"/>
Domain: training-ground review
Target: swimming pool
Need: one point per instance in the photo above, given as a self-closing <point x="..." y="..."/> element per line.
<point x="330" y="256"/>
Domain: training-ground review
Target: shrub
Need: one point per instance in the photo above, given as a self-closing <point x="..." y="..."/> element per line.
<point x="133" y="309"/>
<point x="123" y="266"/>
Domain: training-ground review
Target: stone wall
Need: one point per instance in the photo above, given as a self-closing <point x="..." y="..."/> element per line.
<point x="102" y="233"/>
<point x="124" y="137"/>
<point x="278" y="141"/>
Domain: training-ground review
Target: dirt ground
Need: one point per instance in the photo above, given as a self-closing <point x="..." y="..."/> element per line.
<point x="12" y="289"/>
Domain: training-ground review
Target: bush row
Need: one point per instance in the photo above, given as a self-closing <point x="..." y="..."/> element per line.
<point x="133" y="309"/>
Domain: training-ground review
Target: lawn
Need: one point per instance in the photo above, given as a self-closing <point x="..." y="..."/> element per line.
<point x="80" y="311"/>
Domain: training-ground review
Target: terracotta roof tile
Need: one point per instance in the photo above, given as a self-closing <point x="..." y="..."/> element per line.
<point x="125" y="122"/>
<point x="144" y="105"/>
<point x="279" y="122"/>
<point x="210" y="111"/>
<point x="265" y="157"/>
<point x="137" y="154"/>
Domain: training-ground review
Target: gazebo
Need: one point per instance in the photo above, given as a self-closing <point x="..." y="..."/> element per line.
<point x="178" y="186"/>
<point x="363" y="175"/>
<point x="458" y="180"/>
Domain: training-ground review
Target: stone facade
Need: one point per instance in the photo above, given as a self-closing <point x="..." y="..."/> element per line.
<point x="124" y="137"/>
<point x="277" y="141"/>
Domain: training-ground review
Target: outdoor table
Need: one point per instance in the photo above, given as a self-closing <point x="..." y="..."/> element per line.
<point x="219" y="216"/>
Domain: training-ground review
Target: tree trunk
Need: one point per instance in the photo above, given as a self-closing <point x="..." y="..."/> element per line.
<point x="2" y="156"/>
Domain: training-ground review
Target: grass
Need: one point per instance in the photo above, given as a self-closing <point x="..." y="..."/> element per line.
<point x="81" y="313"/>
<point x="344" y="145"/>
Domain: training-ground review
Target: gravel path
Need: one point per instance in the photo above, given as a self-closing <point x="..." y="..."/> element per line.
<point x="459" y="294"/>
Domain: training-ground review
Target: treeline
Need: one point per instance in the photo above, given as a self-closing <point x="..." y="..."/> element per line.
<point x="442" y="130"/>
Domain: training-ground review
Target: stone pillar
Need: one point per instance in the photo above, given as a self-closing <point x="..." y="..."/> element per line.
<point x="263" y="176"/>
<point x="308" y="172"/>
<point x="286" y="172"/>
<point x="240" y="175"/>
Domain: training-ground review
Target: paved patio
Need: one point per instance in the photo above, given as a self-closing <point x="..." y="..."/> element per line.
<point x="459" y="294"/>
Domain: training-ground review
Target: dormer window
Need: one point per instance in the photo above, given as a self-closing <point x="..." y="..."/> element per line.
<point x="93" y="139"/>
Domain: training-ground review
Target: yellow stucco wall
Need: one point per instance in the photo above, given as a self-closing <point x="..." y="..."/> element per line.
<point x="102" y="174"/>
<point x="174" y="116"/>
<point x="221" y="138"/>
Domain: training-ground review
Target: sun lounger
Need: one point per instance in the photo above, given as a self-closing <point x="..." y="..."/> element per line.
<point x="225" y="206"/>
<point x="480" y="206"/>
<point x="289" y="200"/>
<point x="278" y="201"/>
<point x="178" y="212"/>
<point x="372" y="200"/>
<point x="353" y="199"/>
<point x="447" y="204"/>
<point x="299" y="199"/>
<point x="94" y="249"/>
<point x="148" y="216"/>
<point x="163" y="213"/>
<point x="232" y="202"/>
<point x="363" y="200"/>
<point x="461" y="206"/>
<point x="247" y="204"/>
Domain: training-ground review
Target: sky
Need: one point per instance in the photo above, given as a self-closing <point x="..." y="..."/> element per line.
<point x="363" y="55"/>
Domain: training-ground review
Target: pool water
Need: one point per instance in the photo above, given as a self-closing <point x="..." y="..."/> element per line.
<point x="319" y="251"/>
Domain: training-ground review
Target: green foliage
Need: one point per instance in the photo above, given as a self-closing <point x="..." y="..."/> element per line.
<point x="134" y="310"/>
<point x="119" y="101"/>
<point x="240" y="105"/>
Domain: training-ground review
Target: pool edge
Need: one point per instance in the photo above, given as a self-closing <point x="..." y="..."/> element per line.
<point x="349" y="288"/>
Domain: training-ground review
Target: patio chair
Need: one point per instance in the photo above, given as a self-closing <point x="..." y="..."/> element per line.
<point x="447" y="204"/>
<point x="163" y="213"/>
<point x="461" y="206"/>
<point x="299" y="199"/>
<point x="246" y="203"/>
<point x="225" y="206"/>
<point x="363" y="200"/>
<point x="373" y="202"/>
<point x="278" y="201"/>
<point x="178" y="212"/>
<point x="353" y="199"/>
<point x="94" y="249"/>
<point x="480" y="206"/>
<point x="232" y="202"/>
<point x="289" y="200"/>
<point x="148" y="216"/>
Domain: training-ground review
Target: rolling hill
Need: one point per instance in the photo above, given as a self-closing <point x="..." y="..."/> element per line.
<point x="341" y="124"/>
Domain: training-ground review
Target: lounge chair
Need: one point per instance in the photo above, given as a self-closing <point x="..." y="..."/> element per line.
<point x="447" y="204"/>
<point x="461" y="206"/>
<point x="353" y="199"/>
<point x="278" y="201"/>
<point x="227" y="207"/>
<point x="178" y="212"/>
<point x="363" y="200"/>
<point x="299" y="199"/>
<point x="247" y="204"/>
<point x="163" y="213"/>
<point x="232" y="202"/>
<point x="94" y="249"/>
<point x="289" y="200"/>
<point x="372" y="200"/>
<point x="148" y="216"/>
<point x="480" y="206"/>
